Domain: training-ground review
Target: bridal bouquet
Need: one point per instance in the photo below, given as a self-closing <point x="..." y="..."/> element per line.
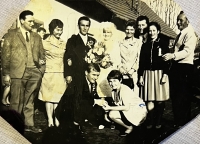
<point x="98" y="55"/>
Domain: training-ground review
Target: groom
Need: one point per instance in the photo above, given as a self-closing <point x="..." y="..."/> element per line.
<point x="74" y="63"/>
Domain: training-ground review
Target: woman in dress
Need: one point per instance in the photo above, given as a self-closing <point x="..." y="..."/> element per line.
<point x="111" y="46"/>
<point x="130" y="50"/>
<point x="128" y="110"/>
<point x="53" y="83"/>
<point x="153" y="75"/>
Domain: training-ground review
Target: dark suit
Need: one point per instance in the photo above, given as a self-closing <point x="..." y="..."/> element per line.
<point x="87" y="110"/>
<point x="94" y="113"/>
<point x="76" y="50"/>
<point x="24" y="80"/>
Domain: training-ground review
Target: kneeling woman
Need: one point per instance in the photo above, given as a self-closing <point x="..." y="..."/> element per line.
<point x="128" y="109"/>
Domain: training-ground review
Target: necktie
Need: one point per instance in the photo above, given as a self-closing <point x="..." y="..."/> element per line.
<point x="93" y="89"/>
<point x="27" y="39"/>
<point x="176" y="40"/>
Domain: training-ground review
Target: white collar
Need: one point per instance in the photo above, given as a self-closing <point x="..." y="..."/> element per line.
<point x="87" y="80"/>
<point x="24" y="32"/>
<point x="84" y="38"/>
<point x="185" y="30"/>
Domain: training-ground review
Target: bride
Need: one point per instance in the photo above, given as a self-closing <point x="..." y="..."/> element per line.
<point x="111" y="45"/>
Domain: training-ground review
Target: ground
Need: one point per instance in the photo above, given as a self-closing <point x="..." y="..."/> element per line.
<point x="106" y="136"/>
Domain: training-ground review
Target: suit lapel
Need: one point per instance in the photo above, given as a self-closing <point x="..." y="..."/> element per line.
<point x="80" y="48"/>
<point x="19" y="33"/>
<point x="81" y="42"/>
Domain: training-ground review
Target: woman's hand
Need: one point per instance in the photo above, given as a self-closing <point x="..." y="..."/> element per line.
<point x="141" y="81"/>
<point x="163" y="79"/>
<point x="106" y="107"/>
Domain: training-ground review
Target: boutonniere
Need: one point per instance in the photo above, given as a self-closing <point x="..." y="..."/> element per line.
<point x="90" y="43"/>
<point x="69" y="62"/>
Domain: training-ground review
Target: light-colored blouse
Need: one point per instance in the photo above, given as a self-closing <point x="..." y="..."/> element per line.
<point x="54" y="52"/>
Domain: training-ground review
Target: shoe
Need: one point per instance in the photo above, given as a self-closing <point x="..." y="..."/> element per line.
<point x="82" y="130"/>
<point x="50" y="123"/>
<point x="112" y="126"/>
<point x="177" y="126"/>
<point x="6" y="105"/>
<point x="122" y="134"/>
<point x="57" y="123"/>
<point x="101" y="126"/>
<point x="158" y="126"/>
<point x="88" y="123"/>
<point x="149" y="126"/>
<point x="32" y="129"/>
<point x="129" y="130"/>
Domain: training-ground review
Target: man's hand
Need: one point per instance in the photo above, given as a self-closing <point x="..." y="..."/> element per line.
<point x="41" y="62"/>
<point x="6" y="80"/>
<point x="68" y="79"/>
<point x="168" y="56"/>
<point x="106" y="107"/>
<point x="100" y="102"/>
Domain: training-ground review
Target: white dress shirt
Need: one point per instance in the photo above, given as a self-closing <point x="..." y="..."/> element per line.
<point x="24" y="33"/>
<point x="84" y="38"/>
<point x="185" y="46"/>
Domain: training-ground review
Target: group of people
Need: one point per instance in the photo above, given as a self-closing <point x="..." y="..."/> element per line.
<point x="143" y="74"/>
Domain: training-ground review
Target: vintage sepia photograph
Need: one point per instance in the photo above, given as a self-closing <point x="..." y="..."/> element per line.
<point x="100" y="72"/>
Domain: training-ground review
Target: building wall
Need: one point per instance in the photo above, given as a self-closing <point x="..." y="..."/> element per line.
<point x="47" y="10"/>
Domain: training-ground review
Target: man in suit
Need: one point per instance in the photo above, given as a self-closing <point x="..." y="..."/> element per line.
<point x="74" y="63"/>
<point x="180" y="73"/>
<point x="23" y="60"/>
<point x="91" y="103"/>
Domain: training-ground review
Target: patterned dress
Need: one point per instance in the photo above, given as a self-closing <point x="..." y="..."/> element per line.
<point x="53" y="82"/>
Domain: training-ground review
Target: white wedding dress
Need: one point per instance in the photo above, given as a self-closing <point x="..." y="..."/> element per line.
<point x="112" y="48"/>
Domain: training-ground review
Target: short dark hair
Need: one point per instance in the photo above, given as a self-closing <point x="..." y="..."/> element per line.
<point x="46" y="36"/>
<point x="114" y="74"/>
<point x="140" y="18"/>
<point x="84" y="18"/>
<point x="41" y="29"/>
<point x="156" y="25"/>
<point x="55" y="23"/>
<point x="182" y="13"/>
<point x="24" y="14"/>
<point x="130" y="23"/>
<point x="92" y="66"/>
